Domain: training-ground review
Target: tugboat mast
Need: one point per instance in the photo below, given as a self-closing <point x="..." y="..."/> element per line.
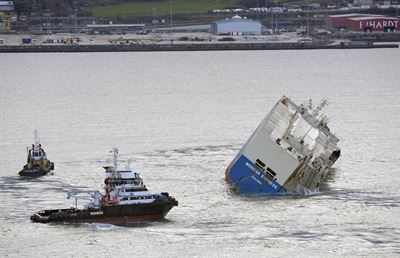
<point x="35" y="137"/>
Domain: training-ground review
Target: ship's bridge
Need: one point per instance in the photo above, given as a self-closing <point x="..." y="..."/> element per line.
<point x="123" y="174"/>
<point x="37" y="153"/>
<point x="127" y="174"/>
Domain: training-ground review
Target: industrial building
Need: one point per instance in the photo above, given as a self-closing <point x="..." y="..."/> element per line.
<point x="364" y="22"/>
<point x="114" y="28"/>
<point x="7" y="6"/>
<point x="236" y="26"/>
<point x="362" y="3"/>
<point x="340" y="21"/>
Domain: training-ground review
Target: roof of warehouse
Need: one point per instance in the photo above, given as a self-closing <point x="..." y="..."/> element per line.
<point x="6" y="3"/>
<point x="236" y="20"/>
<point x="354" y="15"/>
<point x="371" y="18"/>
<point x="114" y="25"/>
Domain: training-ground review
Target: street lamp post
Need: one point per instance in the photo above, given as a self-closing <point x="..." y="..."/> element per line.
<point x="154" y="19"/>
<point x="48" y="23"/>
<point x="170" y="17"/>
<point x="258" y="6"/>
<point x="308" y="9"/>
<point x="275" y="17"/>
<point x="76" y="27"/>
<point x="272" y="22"/>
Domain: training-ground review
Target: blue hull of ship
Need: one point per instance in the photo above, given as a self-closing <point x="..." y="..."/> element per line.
<point x="244" y="176"/>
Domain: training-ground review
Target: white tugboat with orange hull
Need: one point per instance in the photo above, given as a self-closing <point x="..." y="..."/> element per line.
<point x="126" y="199"/>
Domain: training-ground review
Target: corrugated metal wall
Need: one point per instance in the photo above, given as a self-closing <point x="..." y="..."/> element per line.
<point x="238" y="28"/>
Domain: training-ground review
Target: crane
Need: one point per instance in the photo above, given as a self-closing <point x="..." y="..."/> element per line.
<point x="84" y="194"/>
<point x="6" y="20"/>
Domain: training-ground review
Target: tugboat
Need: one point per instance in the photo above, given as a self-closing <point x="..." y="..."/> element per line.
<point x="291" y="151"/>
<point x="37" y="162"/>
<point x="126" y="199"/>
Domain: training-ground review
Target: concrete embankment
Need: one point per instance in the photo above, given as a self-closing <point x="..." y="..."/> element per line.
<point x="185" y="47"/>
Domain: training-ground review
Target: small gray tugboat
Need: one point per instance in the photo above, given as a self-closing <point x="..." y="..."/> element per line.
<point x="37" y="162"/>
<point x="126" y="199"/>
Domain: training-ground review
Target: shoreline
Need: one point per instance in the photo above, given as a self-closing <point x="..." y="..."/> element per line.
<point x="186" y="47"/>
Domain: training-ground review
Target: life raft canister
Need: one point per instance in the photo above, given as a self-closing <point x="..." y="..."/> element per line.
<point x="112" y="202"/>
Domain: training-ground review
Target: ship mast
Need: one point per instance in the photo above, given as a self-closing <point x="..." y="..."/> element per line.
<point x="290" y="125"/>
<point x="128" y="165"/>
<point x="323" y="103"/>
<point x="115" y="162"/>
<point x="310" y="106"/>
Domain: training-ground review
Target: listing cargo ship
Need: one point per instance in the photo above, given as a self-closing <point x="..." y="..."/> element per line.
<point x="37" y="162"/>
<point x="291" y="151"/>
<point x="126" y="199"/>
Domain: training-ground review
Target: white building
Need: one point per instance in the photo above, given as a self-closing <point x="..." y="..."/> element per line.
<point x="236" y="26"/>
<point x="7" y="6"/>
<point x="363" y="3"/>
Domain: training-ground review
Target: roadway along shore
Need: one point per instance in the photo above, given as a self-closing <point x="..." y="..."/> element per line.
<point x="172" y="42"/>
<point x="186" y="47"/>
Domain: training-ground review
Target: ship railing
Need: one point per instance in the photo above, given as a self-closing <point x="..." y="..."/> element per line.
<point x="136" y="201"/>
<point x="141" y="193"/>
<point x="95" y="195"/>
<point x="125" y="186"/>
<point x="295" y="148"/>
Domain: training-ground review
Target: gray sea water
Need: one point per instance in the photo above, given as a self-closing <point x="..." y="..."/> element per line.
<point x="182" y="117"/>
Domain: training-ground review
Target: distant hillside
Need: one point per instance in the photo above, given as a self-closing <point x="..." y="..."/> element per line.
<point x="113" y="8"/>
<point x="161" y="7"/>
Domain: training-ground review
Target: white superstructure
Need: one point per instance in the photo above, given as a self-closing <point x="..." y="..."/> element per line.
<point x="124" y="186"/>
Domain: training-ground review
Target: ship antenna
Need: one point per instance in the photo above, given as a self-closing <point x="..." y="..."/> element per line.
<point x="310" y="104"/>
<point x="128" y="165"/>
<point x="35" y="137"/>
<point x="324" y="103"/>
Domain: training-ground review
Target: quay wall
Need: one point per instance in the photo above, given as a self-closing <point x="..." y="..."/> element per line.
<point x="186" y="47"/>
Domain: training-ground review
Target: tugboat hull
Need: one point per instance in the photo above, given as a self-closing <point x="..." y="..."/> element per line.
<point x="33" y="172"/>
<point x="114" y="214"/>
<point x="37" y="170"/>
